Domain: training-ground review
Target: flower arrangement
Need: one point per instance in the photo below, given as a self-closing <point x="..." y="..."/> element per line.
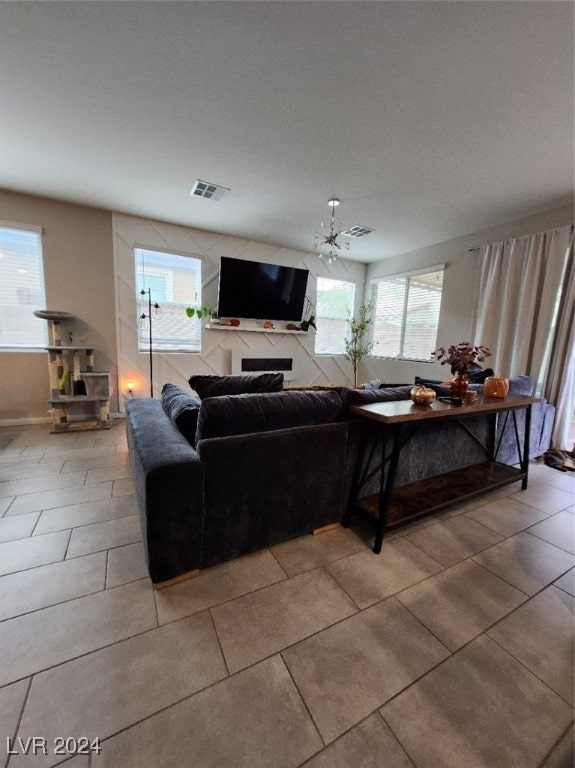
<point x="462" y="355"/>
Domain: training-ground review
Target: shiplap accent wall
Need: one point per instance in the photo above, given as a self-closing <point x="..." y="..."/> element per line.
<point x="215" y="357"/>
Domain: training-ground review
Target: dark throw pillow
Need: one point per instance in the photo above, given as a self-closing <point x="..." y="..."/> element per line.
<point x="265" y="412"/>
<point x="182" y="408"/>
<point x="478" y="377"/>
<point x="217" y="386"/>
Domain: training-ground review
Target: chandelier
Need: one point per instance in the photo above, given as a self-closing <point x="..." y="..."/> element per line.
<point x="328" y="242"/>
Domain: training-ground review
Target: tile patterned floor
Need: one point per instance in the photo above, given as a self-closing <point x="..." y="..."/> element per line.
<point x="452" y="649"/>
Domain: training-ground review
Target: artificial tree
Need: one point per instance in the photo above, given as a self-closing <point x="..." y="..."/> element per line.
<point x="356" y="347"/>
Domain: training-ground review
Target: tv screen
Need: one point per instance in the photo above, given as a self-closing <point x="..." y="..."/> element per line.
<point x="254" y="290"/>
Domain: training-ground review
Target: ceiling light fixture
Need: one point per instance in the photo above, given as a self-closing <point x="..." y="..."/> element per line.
<point x="327" y="241"/>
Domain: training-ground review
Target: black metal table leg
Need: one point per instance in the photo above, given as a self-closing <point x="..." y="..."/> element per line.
<point x="356" y="481"/>
<point x="525" y="457"/>
<point x="385" y="497"/>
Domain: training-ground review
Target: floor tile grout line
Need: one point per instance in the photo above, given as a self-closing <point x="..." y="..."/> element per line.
<point x="279" y="654"/>
<point x="21" y="715"/>
<point x="397" y="740"/>
<point x="82" y="525"/>
<point x="31" y="535"/>
<point x="219" y="642"/>
<point x="530" y="671"/>
<point x="543" y="763"/>
<point x="106" y="577"/>
<point x="550" y="542"/>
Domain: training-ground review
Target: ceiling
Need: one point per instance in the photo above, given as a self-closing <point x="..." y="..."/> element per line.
<point x="429" y="120"/>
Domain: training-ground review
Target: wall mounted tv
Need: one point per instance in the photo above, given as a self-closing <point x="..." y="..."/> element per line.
<point x="259" y="291"/>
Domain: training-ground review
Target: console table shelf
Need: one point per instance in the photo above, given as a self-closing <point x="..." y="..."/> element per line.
<point x="424" y="497"/>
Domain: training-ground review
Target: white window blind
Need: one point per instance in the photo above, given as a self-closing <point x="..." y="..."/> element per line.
<point x="174" y="282"/>
<point x="21" y="289"/>
<point x="407" y="315"/>
<point x="335" y="302"/>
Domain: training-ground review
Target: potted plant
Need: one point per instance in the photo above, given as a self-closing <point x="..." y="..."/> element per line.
<point x="308" y="316"/>
<point x="461" y="356"/>
<point x="356" y="346"/>
<point x="199" y="312"/>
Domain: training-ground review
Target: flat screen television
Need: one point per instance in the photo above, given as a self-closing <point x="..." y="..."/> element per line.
<point x="259" y="291"/>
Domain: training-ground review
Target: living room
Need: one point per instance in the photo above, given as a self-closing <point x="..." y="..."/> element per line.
<point x="445" y="128"/>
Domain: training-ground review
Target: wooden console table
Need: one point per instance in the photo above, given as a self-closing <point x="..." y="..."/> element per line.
<point x="394" y="505"/>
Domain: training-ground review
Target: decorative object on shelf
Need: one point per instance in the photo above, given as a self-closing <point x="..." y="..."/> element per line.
<point x="146" y="319"/>
<point x="268" y="324"/>
<point x="496" y="386"/>
<point x="356" y="348"/>
<point x="308" y="317"/>
<point x="422" y="395"/>
<point x="458" y="385"/>
<point x="471" y="398"/>
<point x="461" y="356"/>
<point x="199" y="312"/>
<point x="328" y="242"/>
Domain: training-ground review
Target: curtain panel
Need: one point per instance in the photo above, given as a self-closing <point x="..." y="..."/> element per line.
<point x="525" y="310"/>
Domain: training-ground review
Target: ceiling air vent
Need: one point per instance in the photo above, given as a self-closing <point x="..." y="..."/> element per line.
<point x="209" y="190"/>
<point x="357" y="231"/>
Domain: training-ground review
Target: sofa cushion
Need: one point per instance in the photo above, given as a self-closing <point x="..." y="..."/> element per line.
<point x="367" y="396"/>
<point x="442" y="389"/>
<point x="248" y="413"/>
<point x="182" y="408"/>
<point x="520" y="385"/>
<point x="479" y="376"/>
<point x="218" y="386"/>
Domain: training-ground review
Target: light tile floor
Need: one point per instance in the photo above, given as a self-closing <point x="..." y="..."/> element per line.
<point x="452" y="649"/>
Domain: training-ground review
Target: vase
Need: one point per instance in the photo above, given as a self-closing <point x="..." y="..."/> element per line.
<point x="459" y="386"/>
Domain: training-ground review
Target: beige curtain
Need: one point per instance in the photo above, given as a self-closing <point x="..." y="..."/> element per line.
<point x="525" y="309"/>
<point x="560" y="388"/>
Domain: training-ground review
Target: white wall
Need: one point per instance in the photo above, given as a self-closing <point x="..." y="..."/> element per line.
<point x="215" y="357"/>
<point x="79" y="278"/>
<point x="459" y="289"/>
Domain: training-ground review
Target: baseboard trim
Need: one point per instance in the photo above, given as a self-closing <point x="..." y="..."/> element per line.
<point x="25" y="422"/>
<point x="31" y="420"/>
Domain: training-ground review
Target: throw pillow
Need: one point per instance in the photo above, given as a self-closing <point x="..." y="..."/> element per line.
<point x="265" y="412"/>
<point x="217" y="386"/>
<point x="182" y="408"/>
<point x="478" y="377"/>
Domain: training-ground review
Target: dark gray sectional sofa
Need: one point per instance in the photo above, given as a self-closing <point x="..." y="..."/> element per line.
<point x="229" y="474"/>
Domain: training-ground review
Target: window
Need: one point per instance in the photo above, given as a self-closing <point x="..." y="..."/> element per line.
<point x="174" y="282"/>
<point x="335" y="300"/>
<point x="407" y="315"/>
<point x="21" y="289"/>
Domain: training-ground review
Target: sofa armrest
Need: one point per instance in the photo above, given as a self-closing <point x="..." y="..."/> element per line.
<point x="169" y="490"/>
